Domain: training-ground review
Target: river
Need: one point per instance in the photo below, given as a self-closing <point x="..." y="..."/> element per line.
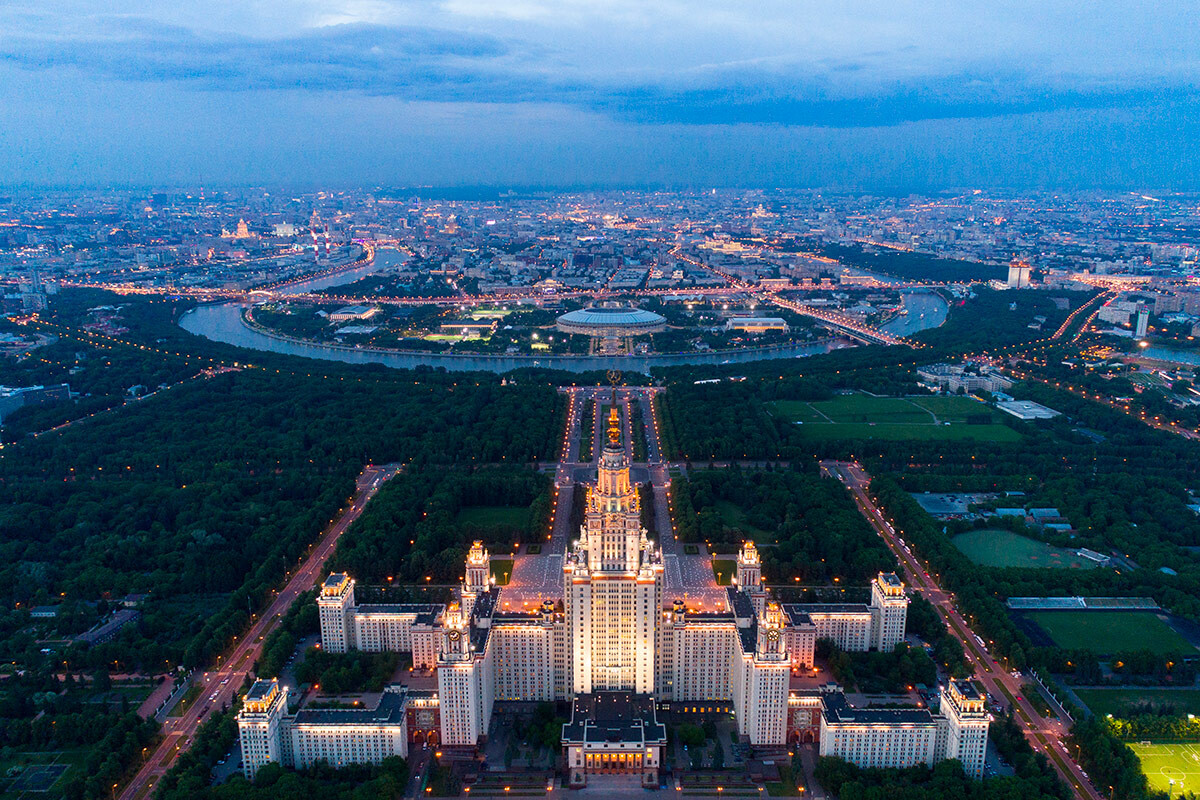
<point x="925" y="310"/>
<point x="224" y="323"/>
<point x="1189" y="357"/>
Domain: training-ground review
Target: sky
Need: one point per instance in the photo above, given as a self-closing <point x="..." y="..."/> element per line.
<point x="878" y="95"/>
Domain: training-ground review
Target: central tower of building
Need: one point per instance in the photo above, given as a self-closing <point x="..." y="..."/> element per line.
<point x="613" y="583"/>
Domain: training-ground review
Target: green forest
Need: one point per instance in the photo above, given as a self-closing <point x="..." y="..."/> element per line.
<point x="412" y="530"/>
<point x="201" y="496"/>
<point x="806" y="527"/>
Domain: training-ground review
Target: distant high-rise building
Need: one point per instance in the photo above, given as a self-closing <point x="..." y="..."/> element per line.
<point x="1018" y="275"/>
<point x="1143" y="321"/>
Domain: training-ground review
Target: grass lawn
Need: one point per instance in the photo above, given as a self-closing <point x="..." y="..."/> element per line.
<point x="864" y="408"/>
<point x="725" y="569"/>
<point x="1119" y="702"/>
<point x="1108" y="632"/>
<point x="734" y="517"/>
<point x="501" y="570"/>
<point x="951" y="409"/>
<point x="909" y="432"/>
<point x="1171" y="768"/>
<point x="508" y="516"/>
<point x="860" y="416"/>
<point x="1000" y="548"/>
<point x="797" y="411"/>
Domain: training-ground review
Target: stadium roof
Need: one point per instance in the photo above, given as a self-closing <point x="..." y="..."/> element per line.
<point x="609" y="317"/>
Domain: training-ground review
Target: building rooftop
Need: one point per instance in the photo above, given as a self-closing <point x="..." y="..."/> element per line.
<point x="1026" y="409"/>
<point x="600" y="316"/>
<point x="837" y="710"/>
<point x="260" y="690"/>
<point x="389" y="711"/>
<point x="802" y="611"/>
<point x="967" y="689"/>
<point x="614" y="717"/>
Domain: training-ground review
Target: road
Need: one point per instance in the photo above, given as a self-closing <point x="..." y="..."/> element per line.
<point x="220" y="684"/>
<point x="1044" y="735"/>
<point x="539" y="577"/>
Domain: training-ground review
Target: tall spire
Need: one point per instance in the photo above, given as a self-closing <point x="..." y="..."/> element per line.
<point x="614" y="424"/>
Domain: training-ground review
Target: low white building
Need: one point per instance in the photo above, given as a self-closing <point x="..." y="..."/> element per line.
<point x="853" y="627"/>
<point x="906" y="737"/>
<point x="757" y="324"/>
<point x="270" y="733"/>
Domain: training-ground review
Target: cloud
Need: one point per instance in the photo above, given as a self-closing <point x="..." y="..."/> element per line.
<point x="642" y="62"/>
<point x="400" y="60"/>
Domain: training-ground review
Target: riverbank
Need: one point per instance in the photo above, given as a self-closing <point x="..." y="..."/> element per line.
<point x="226" y="323"/>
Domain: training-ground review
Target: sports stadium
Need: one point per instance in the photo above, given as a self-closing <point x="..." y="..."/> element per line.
<point x="615" y="322"/>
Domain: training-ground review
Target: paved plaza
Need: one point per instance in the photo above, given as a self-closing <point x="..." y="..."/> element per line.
<point x="538" y="577"/>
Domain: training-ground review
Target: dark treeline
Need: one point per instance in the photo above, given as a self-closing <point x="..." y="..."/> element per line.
<point x="923" y="620"/>
<point x="340" y="673"/>
<point x="893" y="672"/>
<point x="203" y="496"/>
<point x="1126" y="667"/>
<point x="1109" y="762"/>
<point x="813" y="529"/>
<point x="994" y="319"/>
<point x="110" y="759"/>
<point x="1168" y="726"/>
<point x="411" y="530"/>
<point x="911" y="265"/>
<point x="217" y="487"/>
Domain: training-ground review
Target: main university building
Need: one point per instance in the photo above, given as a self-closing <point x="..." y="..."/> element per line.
<point x="620" y="652"/>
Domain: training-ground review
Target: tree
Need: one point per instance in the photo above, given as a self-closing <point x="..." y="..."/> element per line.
<point x="690" y="736"/>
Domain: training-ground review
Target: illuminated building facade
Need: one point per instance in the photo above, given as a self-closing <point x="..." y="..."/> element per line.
<point x="272" y="733"/>
<point x="613" y="585"/>
<point x="612" y="644"/>
<point x="853" y="627"/>
<point x="905" y="737"/>
<point x="377" y="628"/>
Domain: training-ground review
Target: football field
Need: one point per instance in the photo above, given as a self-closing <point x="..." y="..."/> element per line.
<point x="1170" y="767"/>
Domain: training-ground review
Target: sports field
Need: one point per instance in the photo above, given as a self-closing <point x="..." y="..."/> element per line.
<point x="993" y="547"/>
<point x="860" y="416"/>
<point x="1172" y="768"/>
<point x="30" y="775"/>
<point x="1108" y="632"/>
<point x="1123" y="702"/>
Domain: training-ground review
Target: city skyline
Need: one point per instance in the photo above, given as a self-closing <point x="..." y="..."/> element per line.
<point x="529" y="94"/>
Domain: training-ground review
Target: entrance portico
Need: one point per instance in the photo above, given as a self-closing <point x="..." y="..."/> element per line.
<point x="613" y="733"/>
